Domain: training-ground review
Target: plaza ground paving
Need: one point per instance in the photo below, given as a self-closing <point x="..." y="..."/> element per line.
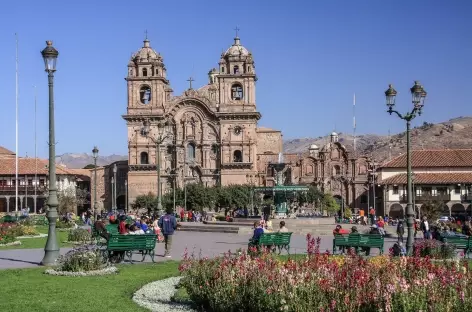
<point x="205" y="244"/>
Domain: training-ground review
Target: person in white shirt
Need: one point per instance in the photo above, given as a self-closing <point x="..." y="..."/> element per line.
<point x="283" y="229"/>
<point x="134" y="230"/>
<point x="424" y="227"/>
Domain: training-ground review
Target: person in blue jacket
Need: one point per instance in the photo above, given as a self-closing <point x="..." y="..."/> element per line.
<point x="168" y="224"/>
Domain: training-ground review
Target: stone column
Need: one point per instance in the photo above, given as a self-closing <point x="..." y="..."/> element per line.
<point x="8" y="203"/>
<point x="35" y="198"/>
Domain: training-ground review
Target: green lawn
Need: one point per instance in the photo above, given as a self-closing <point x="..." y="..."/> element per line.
<point x="31" y="243"/>
<point x="32" y="290"/>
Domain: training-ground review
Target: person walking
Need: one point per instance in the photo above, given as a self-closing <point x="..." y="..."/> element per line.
<point x="400" y="231"/>
<point x="168" y="225"/>
<point x="424" y="227"/>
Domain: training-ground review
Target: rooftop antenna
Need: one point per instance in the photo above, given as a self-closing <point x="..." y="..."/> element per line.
<point x="354" y="124"/>
<point x="16" y="129"/>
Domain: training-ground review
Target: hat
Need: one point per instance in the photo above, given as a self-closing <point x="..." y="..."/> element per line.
<point x="354" y="228"/>
<point x="374" y="226"/>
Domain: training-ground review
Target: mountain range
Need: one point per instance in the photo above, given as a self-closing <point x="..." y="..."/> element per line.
<point x="451" y="134"/>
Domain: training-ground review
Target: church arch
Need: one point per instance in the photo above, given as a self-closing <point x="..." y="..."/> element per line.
<point x="237" y="93"/>
<point x="396" y="211"/>
<point x="457" y="210"/>
<point x="145" y="94"/>
<point x="145" y="72"/>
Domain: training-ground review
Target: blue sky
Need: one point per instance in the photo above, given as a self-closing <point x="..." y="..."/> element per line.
<point x="311" y="56"/>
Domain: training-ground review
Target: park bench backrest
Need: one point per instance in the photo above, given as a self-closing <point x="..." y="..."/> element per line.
<point x="341" y="239"/>
<point x="112" y="228"/>
<point x="132" y="242"/>
<point x="372" y="239"/>
<point x="459" y="242"/>
<point x="275" y="238"/>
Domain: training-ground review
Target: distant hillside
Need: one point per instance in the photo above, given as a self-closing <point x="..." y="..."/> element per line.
<point x="455" y="133"/>
<point x="77" y="161"/>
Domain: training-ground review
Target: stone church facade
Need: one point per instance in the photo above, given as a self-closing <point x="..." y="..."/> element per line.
<point x="332" y="169"/>
<point x="211" y="134"/>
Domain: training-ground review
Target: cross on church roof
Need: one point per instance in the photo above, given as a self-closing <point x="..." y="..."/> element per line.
<point x="190" y="81"/>
<point x="237" y="30"/>
<point x="145" y="32"/>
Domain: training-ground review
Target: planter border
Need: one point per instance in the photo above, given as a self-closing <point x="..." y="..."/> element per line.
<point x="105" y="271"/>
<point x="15" y="243"/>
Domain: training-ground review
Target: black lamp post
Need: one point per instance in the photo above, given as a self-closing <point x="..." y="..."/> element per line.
<point x="164" y="131"/>
<point x="418" y="95"/>
<point x="115" y="170"/>
<point x="95" y="156"/>
<point x="51" y="250"/>
<point x="126" y="196"/>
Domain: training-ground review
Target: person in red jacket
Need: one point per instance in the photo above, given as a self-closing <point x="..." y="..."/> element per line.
<point x="339" y="230"/>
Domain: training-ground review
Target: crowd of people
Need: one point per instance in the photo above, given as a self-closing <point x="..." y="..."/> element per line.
<point x="163" y="226"/>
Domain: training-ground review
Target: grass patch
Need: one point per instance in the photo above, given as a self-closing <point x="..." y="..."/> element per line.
<point x="32" y="290"/>
<point x="181" y="296"/>
<point x="32" y="243"/>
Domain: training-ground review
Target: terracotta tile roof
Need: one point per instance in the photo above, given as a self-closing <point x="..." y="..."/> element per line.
<point x="430" y="178"/>
<point x="434" y="158"/>
<point x="27" y="166"/>
<point x="82" y="174"/>
<point x="6" y="152"/>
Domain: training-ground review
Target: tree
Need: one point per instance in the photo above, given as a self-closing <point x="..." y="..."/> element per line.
<point x="330" y="204"/>
<point x="82" y="197"/>
<point x="432" y="210"/>
<point x="89" y="166"/>
<point x="148" y="202"/>
<point x="347" y="212"/>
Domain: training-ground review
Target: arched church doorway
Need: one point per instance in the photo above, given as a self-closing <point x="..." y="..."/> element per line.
<point x="396" y="211"/>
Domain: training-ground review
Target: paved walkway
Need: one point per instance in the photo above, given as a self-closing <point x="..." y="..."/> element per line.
<point x="200" y="243"/>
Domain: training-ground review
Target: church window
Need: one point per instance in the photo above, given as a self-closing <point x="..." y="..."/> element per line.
<point x="144" y="72"/>
<point x="145" y="94"/>
<point x="237" y="92"/>
<point x="249" y="69"/>
<point x="144" y="158"/>
<point x="157" y="72"/>
<point x="191" y="151"/>
<point x="222" y="70"/>
<point x="236" y="70"/>
<point x="237" y="156"/>
<point x="336" y="170"/>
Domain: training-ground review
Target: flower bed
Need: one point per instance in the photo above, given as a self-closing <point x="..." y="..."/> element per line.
<point x="79" y="235"/>
<point x="13" y="243"/>
<point x="104" y="271"/>
<point x="9" y="232"/>
<point x="321" y="282"/>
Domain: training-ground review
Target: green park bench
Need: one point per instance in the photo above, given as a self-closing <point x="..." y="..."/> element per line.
<point x="9" y="219"/>
<point x="356" y="241"/>
<point x="274" y="240"/>
<point x="461" y="243"/>
<point x="145" y="244"/>
<point x="112" y="228"/>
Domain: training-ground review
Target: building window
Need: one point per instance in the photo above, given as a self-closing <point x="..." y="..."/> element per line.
<point x="30" y="182"/>
<point x="237" y="156"/>
<point x="237" y="92"/>
<point x="434" y="192"/>
<point x="336" y="170"/>
<point x="457" y="189"/>
<point x="395" y="190"/>
<point x="236" y="70"/>
<point x="145" y="94"/>
<point x="144" y="158"/>
<point x="3" y="182"/>
<point x="41" y="182"/>
<point x="144" y="72"/>
<point x="222" y="70"/>
<point x="363" y="199"/>
<point x="191" y="151"/>
<point x="157" y="72"/>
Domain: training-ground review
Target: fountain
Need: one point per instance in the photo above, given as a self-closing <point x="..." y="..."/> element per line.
<point x="281" y="192"/>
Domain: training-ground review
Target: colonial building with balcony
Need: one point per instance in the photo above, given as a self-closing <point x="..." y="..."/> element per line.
<point x="438" y="175"/>
<point x="33" y="181"/>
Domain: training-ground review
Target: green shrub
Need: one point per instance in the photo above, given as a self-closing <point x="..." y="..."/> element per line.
<point x="64" y="225"/>
<point x="79" y="235"/>
<point x="82" y="259"/>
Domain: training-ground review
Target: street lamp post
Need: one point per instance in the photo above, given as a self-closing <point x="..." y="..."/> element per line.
<point x="164" y="131"/>
<point x="51" y="250"/>
<point x="112" y="194"/>
<point x="115" y="170"/>
<point x="418" y="96"/>
<point x="126" y="196"/>
<point x="95" y="156"/>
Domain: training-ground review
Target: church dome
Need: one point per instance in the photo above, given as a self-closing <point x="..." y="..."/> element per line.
<point x="236" y="49"/>
<point x="146" y="54"/>
<point x="313" y="147"/>
<point x="333" y="134"/>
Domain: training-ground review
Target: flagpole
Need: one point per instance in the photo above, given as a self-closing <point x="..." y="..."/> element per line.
<point x="35" y="153"/>
<point x="16" y="131"/>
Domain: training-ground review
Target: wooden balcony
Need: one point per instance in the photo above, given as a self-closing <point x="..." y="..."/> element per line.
<point x="426" y="197"/>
